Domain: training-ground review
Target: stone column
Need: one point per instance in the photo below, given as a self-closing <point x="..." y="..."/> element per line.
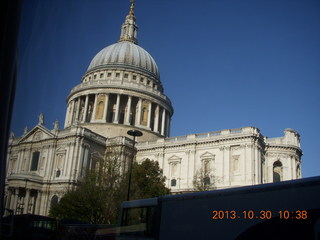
<point x="180" y="176"/>
<point x="116" y="117"/>
<point x="149" y="115"/>
<point x="93" y="117"/>
<point x="291" y="168"/>
<point x="20" y="160"/>
<point x="189" y="165"/>
<point x="71" y="115"/>
<point x="130" y="30"/>
<point x="84" y="117"/>
<point x="26" y="201"/>
<point x="15" y="201"/>
<point x="66" y="121"/>
<point x="65" y="162"/>
<point x="70" y="152"/>
<point x="82" y="164"/>
<point x="167" y="125"/>
<point x="86" y="153"/>
<point x="294" y="168"/>
<point x="127" y="118"/>
<point x="105" y="110"/>
<point x="38" y="202"/>
<point x="75" y="166"/>
<point x="264" y="170"/>
<point x="138" y="117"/>
<point x="245" y="146"/>
<point x="193" y="160"/>
<point x="45" y="207"/>
<point x="156" y="120"/>
<point x="256" y="160"/>
<point x="226" y="165"/>
<point x="163" y="122"/>
<point x="260" y="177"/>
<point x="78" y="110"/>
<point x="253" y="164"/>
<point x="169" y="130"/>
<point x="9" y="199"/>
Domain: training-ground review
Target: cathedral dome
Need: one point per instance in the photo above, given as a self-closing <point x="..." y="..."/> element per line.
<point x="121" y="90"/>
<point x="125" y="54"/>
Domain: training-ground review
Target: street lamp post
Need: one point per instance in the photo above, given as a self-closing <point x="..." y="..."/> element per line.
<point x="134" y="133"/>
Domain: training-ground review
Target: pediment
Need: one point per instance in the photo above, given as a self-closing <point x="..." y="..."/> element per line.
<point x="207" y="155"/>
<point x="61" y="149"/>
<point x="174" y="158"/>
<point x="36" y="134"/>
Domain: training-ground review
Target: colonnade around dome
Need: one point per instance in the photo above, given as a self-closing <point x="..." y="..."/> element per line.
<point x="119" y="108"/>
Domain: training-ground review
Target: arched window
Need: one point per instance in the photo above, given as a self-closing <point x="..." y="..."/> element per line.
<point x="173" y="182"/>
<point x="54" y="201"/>
<point x="144" y="120"/>
<point x="100" y="109"/>
<point x="206" y="180"/>
<point x="277" y="171"/>
<point x="58" y="173"/>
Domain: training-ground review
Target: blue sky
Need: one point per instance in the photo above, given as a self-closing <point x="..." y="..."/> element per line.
<point x="224" y="63"/>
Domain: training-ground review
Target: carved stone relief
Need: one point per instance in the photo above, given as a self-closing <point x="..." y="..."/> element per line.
<point x="37" y="136"/>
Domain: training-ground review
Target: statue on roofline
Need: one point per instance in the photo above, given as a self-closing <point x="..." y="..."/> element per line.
<point x="41" y="119"/>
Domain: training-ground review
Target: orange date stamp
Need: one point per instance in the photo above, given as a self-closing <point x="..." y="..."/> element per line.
<point x="262" y="214"/>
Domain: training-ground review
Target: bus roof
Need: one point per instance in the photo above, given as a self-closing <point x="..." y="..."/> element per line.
<point x="311" y="181"/>
<point x="140" y="202"/>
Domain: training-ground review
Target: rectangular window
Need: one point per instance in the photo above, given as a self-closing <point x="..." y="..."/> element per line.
<point x="134" y="77"/>
<point x="126" y="75"/>
<point x="141" y="79"/>
<point x="109" y="74"/>
<point x="140" y="221"/>
<point x="94" y="76"/>
<point x="101" y="75"/>
<point x="173" y="182"/>
<point x="35" y="161"/>
<point x="117" y="75"/>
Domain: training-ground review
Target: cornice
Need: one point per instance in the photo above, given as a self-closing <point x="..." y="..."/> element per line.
<point x="281" y="147"/>
<point x="216" y="141"/>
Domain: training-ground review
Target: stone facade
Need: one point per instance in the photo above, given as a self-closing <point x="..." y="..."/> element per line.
<point x="43" y="164"/>
<point x="121" y="90"/>
<point x="237" y="157"/>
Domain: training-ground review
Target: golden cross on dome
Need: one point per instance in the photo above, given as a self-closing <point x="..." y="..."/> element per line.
<point x="132" y="7"/>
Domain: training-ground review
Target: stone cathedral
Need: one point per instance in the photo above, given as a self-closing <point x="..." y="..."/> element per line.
<point x="121" y="90"/>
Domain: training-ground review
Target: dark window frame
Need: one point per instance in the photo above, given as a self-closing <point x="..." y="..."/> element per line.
<point x="35" y="161"/>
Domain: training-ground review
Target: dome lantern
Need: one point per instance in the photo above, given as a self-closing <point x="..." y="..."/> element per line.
<point x="129" y="27"/>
